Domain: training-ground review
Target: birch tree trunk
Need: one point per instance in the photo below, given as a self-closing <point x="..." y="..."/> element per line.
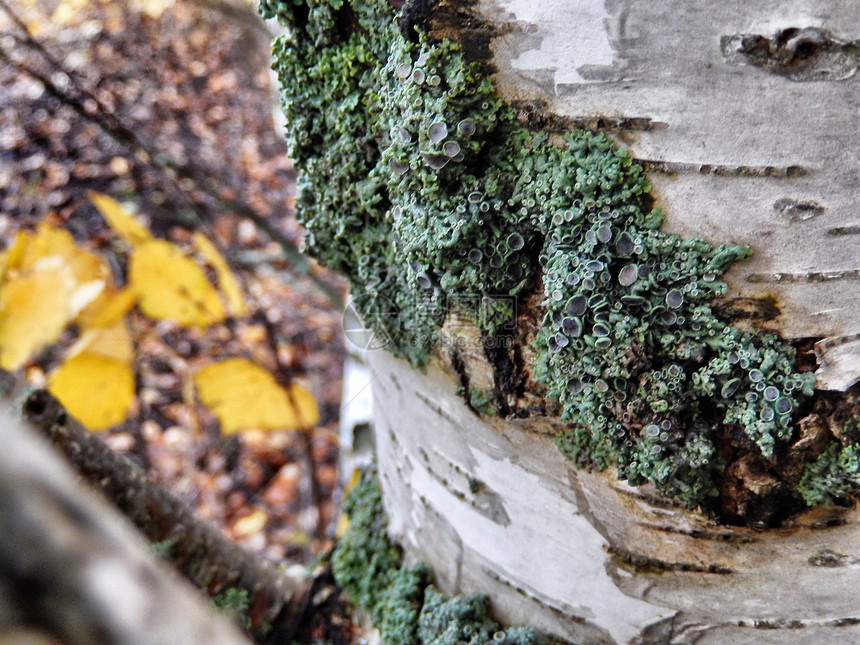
<point x="744" y="115"/>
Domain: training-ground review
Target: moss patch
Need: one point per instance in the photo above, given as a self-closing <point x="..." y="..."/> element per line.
<point x="421" y="186"/>
<point x="404" y="606"/>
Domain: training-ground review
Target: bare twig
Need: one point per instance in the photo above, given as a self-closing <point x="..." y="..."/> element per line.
<point x="306" y="434"/>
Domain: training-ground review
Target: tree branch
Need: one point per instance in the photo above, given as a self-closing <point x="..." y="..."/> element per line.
<point x="72" y="568"/>
<point x="202" y="554"/>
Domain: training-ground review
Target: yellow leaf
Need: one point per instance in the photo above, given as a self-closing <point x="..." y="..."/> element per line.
<point x="110" y="307"/>
<point x="120" y="220"/>
<point x="14" y="255"/>
<point x="113" y="341"/>
<point x="305" y="406"/>
<point x="152" y="8"/>
<point x="48" y="241"/>
<point x="50" y="246"/>
<point x="245" y="396"/>
<point x="96" y="390"/>
<point x="34" y="309"/>
<point x="226" y="280"/>
<point x="84" y="294"/>
<point x="47" y="281"/>
<point x="251" y="524"/>
<point x="169" y="286"/>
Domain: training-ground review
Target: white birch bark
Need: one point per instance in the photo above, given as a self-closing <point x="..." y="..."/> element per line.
<point x="495" y="508"/>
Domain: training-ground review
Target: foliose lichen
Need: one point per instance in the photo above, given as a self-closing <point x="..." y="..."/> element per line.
<point x="367" y="566"/>
<point x="834" y="475"/>
<point x="420" y="185"/>
<point x="403" y="605"/>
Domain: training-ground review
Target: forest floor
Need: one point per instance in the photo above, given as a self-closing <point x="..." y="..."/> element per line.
<point x="168" y="107"/>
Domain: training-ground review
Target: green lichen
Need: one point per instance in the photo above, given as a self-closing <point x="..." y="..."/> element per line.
<point x="367" y="566"/>
<point x="234" y="602"/>
<point x="834" y="475"/>
<point x="162" y="549"/>
<point x="420" y="185"/>
<point x="477" y="399"/>
<point x="403" y="605"/>
<point x="457" y="620"/>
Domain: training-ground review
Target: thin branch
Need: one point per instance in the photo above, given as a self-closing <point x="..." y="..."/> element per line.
<point x="298" y="261"/>
<point x="305" y="433"/>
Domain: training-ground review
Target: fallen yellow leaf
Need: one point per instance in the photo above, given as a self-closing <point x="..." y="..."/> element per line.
<point x="50" y="246"/>
<point x="245" y="396"/>
<point x="305" y="406"/>
<point x="170" y="286"/>
<point x="31" y="248"/>
<point x="113" y="341"/>
<point x="110" y="307"/>
<point x="227" y="282"/>
<point x="47" y="281"/>
<point x="34" y="309"/>
<point x="96" y="390"/>
<point x="251" y="524"/>
<point x="120" y="220"/>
